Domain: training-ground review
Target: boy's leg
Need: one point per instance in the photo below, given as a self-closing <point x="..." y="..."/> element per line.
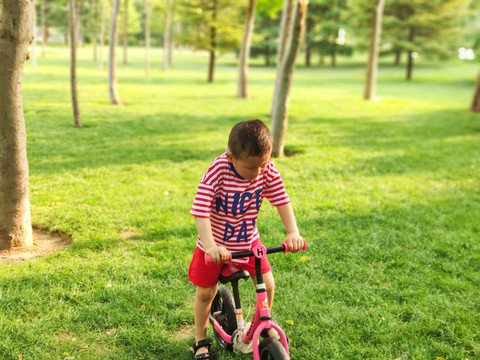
<point x="202" y="305"/>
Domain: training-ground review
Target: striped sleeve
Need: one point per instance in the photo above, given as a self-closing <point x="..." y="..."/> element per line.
<point x="206" y="188"/>
<point x="275" y="191"/>
<point x="202" y="201"/>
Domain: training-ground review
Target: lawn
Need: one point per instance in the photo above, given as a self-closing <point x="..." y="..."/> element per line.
<point x="386" y="193"/>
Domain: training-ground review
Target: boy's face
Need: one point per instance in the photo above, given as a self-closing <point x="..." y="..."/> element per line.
<point x="249" y="167"/>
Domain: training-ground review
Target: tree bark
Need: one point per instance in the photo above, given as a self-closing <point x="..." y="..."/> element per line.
<point x="102" y="34"/>
<point x="475" y="106"/>
<point x="166" y="35"/>
<point x="16" y="25"/>
<point x="95" y="30"/>
<point x="372" y="66"/>
<point x="280" y="111"/>
<point x="112" y="58"/>
<point x="73" y="64"/>
<point x="283" y="39"/>
<point x="411" y="37"/>
<point x="148" y="10"/>
<point x="213" y="43"/>
<point x="125" y="34"/>
<point x="242" y="86"/>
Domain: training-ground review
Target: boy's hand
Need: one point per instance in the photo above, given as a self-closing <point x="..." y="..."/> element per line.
<point x="295" y="242"/>
<point x="218" y="253"/>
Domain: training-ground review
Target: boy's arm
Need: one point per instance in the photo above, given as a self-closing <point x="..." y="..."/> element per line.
<point x="293" y="239"/>
<point x="204" y="228"/>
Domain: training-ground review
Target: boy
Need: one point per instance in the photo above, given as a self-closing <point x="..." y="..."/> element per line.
<point x="226" y="208"/>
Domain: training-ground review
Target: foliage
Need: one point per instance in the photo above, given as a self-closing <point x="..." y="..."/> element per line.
<point x="386" y="193"/>
<point x="434" y="26"/>
<point x="325" y="18"/>
<point x="200" y="16"/>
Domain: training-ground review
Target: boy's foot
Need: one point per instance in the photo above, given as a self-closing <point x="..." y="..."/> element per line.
<point x="201" y="350"/>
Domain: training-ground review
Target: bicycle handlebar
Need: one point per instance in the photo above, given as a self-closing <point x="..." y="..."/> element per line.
<point x="242" y="254"/>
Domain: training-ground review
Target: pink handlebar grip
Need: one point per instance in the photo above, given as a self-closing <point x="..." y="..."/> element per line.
<point x="286" y="245"/>
<point x="209" y="259"/>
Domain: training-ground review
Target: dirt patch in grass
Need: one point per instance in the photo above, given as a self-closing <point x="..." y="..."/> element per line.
<point x="44" y="243"/>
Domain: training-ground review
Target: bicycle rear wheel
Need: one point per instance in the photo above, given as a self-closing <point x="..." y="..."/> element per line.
<point x="223" y="310"/>
<point x="272" y="349"/>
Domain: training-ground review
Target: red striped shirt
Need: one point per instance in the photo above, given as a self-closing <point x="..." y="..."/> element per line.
<point x="232" y="203"/>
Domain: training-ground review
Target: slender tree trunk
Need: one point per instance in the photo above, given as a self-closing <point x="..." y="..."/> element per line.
<point x="112" y="58"/>
<point x="125" y="34"/>
<point x="95" y="30"/>
<point x="280" y="111"/>
<point x="333" y="56"/>
<point x="283" y="40"/>
<point x="372" y="66"/>
<point x="148" y="10"/>
<point x="77" y="122"/>
<point x="44" y="27"/>
<point x="213" y="43"/>
<point x="33" y="55"/>
<point x="411" y="37"/>
<point x="475" y="106"/>
<point x="242" y="86"/>
<point x="16" y="18"/>
<point x="102" y="34"/>
<point x="398" y="57"/>
<point x="166" y="35"/>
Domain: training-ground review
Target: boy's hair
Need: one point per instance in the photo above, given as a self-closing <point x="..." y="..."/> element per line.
<point x="250" y="138"/>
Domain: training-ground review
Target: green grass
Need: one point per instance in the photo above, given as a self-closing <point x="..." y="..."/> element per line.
<point x="386" y="193"/>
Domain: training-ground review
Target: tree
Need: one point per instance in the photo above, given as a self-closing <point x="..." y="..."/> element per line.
<point x="372" y="65"/>
<point x="102" y="33"/>
<point x="283" y="41"/>
<point x="112" y="58"/>
<point x="73" y="63"/>
<point x="148" y="11"/>
<point x="475" y="106"/>
<point x="16" y="25"/>
<point x="280" y="111"/>
<point x="125" y="32"/>
<point x="326" y="23"/>
<point x="242" y="85"/>
<point x="429" y="28"/>
<point x="211" y="25"/>
<point x="167" y="35"/>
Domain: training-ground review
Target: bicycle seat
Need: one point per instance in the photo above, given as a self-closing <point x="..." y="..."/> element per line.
<point x="232" y="272"/>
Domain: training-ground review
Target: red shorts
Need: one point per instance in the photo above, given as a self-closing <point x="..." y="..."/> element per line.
<point x="206" y="276"/>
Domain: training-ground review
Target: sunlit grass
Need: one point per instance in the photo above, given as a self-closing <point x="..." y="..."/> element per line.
<point x="385" y="192"/>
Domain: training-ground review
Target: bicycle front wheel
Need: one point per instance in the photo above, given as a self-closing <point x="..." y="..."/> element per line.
<point x="223" y="310"/>
<point x="272" y="349"/>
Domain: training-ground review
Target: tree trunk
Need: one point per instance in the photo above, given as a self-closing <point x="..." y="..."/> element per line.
<point x="148" y="10"/>
<point x="213" y="43"/>
<point x="33" y="53"/>
<point x="125" y="34"/>
<point x="411" y="37"/>
<point x="112" y="58"/>
<point x="95" y="30"/>
<point x="16" y="18"/>
<point x="280" y="111"/>
<point x="102" y="34"/>
<point x="476" y="96"/>
<point x="283" y="40"/>
<point x="398" y="57"/>
<point x="166" y="35"/>
<point x="73" y="63"/>
<point x="242" y="86"/>
<point x="372" y="66"/>
<point x="44" y="27"/>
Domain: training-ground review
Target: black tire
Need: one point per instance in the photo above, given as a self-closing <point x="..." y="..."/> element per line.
<point x="272" y="349"/>
<point x="223" y="310"/>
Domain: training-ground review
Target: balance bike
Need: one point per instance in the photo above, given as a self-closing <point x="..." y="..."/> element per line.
<point x="226" y="312"/>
